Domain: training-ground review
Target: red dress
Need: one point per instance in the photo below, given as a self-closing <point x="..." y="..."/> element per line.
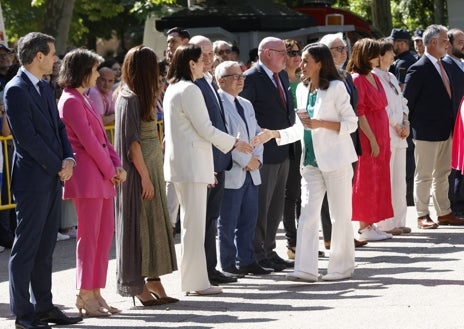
<point x="371" y="186"/>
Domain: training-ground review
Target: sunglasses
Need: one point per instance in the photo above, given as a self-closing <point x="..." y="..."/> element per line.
<point x="294" y="53"/>
<point x="224" y="51"/>
<point x="236" y="77"/>
<point x="340" y="49"/>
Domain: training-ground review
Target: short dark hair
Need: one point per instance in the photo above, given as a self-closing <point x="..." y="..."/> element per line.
<point x="363" y="51"/>
<point x="321" y="54"/>
<point x="183" y="34"/>
<point x="32" y="43"/>
<point x="180" y="64"/>
<point x="385" y="45"/>
<point x="77" y="66"/>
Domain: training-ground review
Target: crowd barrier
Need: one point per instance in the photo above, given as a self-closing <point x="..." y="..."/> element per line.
<point x="7" y="202"/>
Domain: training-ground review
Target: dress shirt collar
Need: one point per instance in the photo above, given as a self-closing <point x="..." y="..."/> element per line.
<point x="458" y="62"/>
<point x="228" y="96"/>
<point x="31" y="77"/>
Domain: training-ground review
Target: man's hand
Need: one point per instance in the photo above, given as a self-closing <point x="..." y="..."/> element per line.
<point x="253" y="164"/>
<point x="66" y="171"/>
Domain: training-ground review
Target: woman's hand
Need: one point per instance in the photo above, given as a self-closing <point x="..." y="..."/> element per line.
<point x="253" y="164"/>
<point x="263" y="137"/>
<point x="148" y="190"/>
<point x="375" y="149"/>
<point x="398" y="129"/>
<point x="405" y="132"/>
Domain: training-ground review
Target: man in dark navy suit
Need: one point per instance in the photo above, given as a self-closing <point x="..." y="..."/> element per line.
<point x="267" y="88"/>
<point x="454" y="58"/>
<point x="42" y="160"/>
<point x="222" y="161"/>
<point x="431" y="94"/>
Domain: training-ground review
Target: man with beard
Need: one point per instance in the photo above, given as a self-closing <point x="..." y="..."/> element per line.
<point x="455" y="54"/>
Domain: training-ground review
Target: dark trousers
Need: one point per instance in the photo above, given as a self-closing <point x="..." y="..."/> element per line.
<point x="292" y="204"/>
<point x="213" y="207"/>
<point x="270" y="208"/>
<point x="236" y="227"/>
<point x="456" y="192"/>
<point x="38" y="220"/>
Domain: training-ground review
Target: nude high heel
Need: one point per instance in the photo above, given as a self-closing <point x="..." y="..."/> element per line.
<point x="91" y="307"/>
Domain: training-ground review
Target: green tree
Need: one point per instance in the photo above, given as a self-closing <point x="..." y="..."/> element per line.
<point x="78" y="22"/>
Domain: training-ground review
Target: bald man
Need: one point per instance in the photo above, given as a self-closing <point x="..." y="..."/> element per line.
<point x="102" y="95"/>
<point x="267" y="88"/>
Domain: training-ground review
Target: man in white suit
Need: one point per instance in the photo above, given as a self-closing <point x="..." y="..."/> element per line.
<point x="239" y="209"/>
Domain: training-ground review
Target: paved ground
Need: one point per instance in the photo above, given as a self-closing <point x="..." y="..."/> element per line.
<point x="411" y="281"/>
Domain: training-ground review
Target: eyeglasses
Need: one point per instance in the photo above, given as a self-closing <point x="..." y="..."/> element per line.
<point x="282" y="52"/>
<point x="236" y="77"/>
<point x="294" y="53"/>
<point x="340" y="49"/>
<point x="222" y="51"/>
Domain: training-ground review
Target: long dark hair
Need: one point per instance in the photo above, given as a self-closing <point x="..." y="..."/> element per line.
<point x="140" y="73"/>
<point x="363" y="51"/>
<point x="321" y="53"/>
<point x="180" y="63"/>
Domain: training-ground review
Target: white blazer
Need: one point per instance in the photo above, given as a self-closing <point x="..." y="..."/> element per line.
<point x="235" y="177"/>
<point x="332" y="149"/>
<point x="189" y="136"/>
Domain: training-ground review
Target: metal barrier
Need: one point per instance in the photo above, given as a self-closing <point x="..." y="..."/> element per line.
<point x="6" y="158"/>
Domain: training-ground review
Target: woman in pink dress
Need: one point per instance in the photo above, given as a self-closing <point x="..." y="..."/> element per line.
<point x="371" y="186"/>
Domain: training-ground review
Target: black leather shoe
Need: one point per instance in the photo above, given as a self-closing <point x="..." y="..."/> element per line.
<point x="217" y="278"/>
<point x="254" y="268"/>
<point x="269" y="264"/>
<point x="287" y="263"/>
<point x="232" y="272"/>
<point x="56" y="316"/>
<point x="31" y="324"/>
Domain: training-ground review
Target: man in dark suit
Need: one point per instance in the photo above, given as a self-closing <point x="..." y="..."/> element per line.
<point x="42" y="160"/>
<point x="430" y="92"/>
<point x="222" y="161"/>
<point x="454" y="58"/>
<point x="267" y="88"/>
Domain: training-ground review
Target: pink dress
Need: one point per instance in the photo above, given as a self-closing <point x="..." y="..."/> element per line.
<point x="371" y="185"/>
<point x="457" y="153"/>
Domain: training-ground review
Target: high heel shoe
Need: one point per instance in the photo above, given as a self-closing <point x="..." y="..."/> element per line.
<point x="91" y="307"/>
<point x="156" y="294"/>
<point x="111" y="309"/>
<point x="150" y="302"/>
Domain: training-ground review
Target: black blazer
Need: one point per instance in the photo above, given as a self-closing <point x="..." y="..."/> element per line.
<point x="216" y="115"/>
<point x="39" y="135"/>
<point x="430" y="107"/>
<point x="270" y="112"/>
<point x="457" y="76"/>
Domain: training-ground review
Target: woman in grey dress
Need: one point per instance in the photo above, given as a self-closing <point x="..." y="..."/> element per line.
<point x="144" y="240"/>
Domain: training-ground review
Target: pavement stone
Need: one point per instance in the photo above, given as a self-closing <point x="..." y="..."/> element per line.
<point x="411" y="281"/>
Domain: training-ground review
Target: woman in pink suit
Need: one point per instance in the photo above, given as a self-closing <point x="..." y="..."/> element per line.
<point x="91" y="188"/>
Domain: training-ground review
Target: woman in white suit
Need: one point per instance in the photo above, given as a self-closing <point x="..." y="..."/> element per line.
<point x="188" y="161"/>
<point x="326" y="121"/>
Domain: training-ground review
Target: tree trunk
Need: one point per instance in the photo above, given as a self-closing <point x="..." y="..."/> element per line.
<point x="439" y="11"/>
<point x="381" y="16"/>
<point x="58" y="15"/>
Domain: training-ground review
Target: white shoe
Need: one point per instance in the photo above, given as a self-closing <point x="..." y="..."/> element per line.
<point x="370" y="234"/>
<point x="72" y="233"/>
<point x="303" y="277"/>
<point x="336" y="276"/>
<point x="212" y="290"/>
<point x="387" y="235"/>
<point x="2" y="248"/>
<point x="61" y="237"/>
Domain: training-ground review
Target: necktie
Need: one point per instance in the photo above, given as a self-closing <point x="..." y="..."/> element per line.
<point x="43" y="95"/>
<point x="444" y="77"/>
<point x="241" y="112"/>
<point x="279" y="88"/>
